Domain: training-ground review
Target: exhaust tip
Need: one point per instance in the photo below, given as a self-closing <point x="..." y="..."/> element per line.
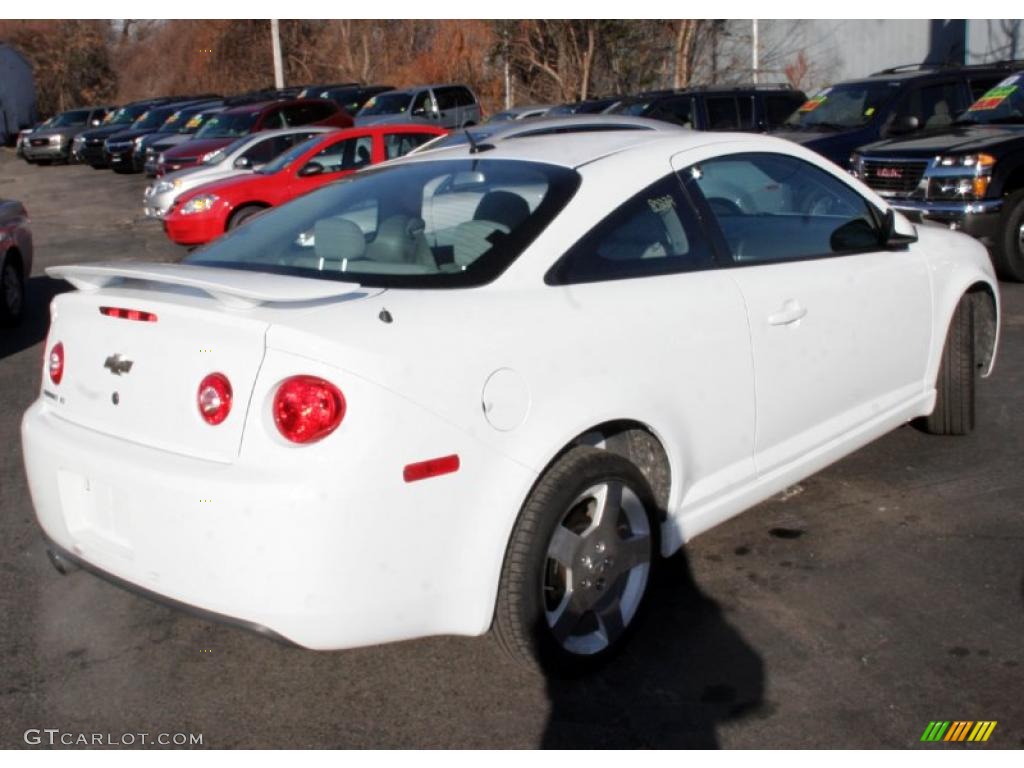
<point x="62" y="565"/>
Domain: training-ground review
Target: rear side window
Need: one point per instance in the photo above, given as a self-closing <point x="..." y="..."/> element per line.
<point x="778" y="208"/>
<point x="463" y="97"/>
<point x="722" y="113"/>
<point x="653" y="233"/>
<point x="447" y="98"/>
<point x="398" y="144"/>
<point x="745" y="107"/>
<point x="274" y="119"/>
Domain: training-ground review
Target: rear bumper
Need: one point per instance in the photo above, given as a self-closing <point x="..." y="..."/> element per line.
<point x="979" y="219"/>
<point x="325" y="546"/>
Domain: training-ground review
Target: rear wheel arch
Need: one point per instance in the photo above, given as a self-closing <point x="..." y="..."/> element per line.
<point x="636" y="442"/>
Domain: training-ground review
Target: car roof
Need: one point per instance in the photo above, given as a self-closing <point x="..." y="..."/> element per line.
<point x="583" y="149"/>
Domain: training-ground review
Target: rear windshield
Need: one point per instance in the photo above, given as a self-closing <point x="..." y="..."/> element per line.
<point x="437" y="224"/>
<point x="224" y="125"/>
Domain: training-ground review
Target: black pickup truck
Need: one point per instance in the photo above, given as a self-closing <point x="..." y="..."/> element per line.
<point x="969" y="176"/>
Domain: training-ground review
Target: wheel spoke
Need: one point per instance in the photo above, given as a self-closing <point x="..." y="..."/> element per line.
<point x="609" y="621"/>
<point x="609" y="502"/>
<point x="563" y="547"/>
<point x="564" y="619"/>
<point x="634" y="551"/>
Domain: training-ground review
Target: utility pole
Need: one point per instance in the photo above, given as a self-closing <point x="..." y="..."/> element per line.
<point x="753" y="48"/>
<point x="275" y="40"/>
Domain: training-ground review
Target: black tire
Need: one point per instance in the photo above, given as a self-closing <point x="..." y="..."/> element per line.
<point x="958" y="375"/>
<point x="12" y="291"/>
<point x="1008" y="255"/>
<point x="602" y="566"/>
<point x="245" y="212"/>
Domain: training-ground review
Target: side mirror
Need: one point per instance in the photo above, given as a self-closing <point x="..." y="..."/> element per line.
<point x="904" y="124"/>
<point x="311" y="169"/>
<point x="890" y="235"/>
<point x="243" y="163"/>
<point x="419" y="112"/>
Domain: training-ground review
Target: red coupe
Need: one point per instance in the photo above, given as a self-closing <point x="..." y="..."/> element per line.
<point x="206" y="212"/>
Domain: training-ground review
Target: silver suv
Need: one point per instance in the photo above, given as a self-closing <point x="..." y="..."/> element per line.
<point x="450" y="106"/>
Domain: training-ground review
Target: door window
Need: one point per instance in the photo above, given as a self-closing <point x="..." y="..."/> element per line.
<point x="422" y="104"/>
<point x="345" y="155"/>
<point x="654" y="233"/>
<point x="935" y="106"/>
<point x="745" y="105"/>
<point x="777" y="208"/>
<point x="264" y="151"/>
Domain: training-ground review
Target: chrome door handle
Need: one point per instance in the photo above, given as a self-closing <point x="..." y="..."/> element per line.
<point x="790" y="313"/>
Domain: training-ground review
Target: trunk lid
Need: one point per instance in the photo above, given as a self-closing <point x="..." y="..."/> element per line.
<point x="137" y="379"/>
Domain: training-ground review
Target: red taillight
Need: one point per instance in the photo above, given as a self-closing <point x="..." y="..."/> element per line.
<point x="307" y="408"/>
<point x="214" y="398"/>
<point x="56" y="363"/>
<point x="128" y="314"/>
<point x="421" y="470"/>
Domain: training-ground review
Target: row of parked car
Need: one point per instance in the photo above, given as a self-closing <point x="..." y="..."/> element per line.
<point x="943" y="143"/>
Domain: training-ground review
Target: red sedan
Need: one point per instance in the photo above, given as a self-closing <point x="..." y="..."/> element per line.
<point x="208" y="211"/>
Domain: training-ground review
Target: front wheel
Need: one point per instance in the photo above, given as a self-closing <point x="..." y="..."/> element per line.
<point x="955" y="387"/>
<point x="578" y="564"/>
<point x="242" y="214"/>
<point x="12" y="292"/>
<point x="1008" y="254"/>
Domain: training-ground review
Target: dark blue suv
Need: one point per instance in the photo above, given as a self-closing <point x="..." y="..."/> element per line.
<point x="894" y="102"/>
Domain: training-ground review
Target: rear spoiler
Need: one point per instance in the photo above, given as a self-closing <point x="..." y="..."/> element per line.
<point x="235" y="288"/>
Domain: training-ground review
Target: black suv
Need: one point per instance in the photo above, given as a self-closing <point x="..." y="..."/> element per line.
<point x="969" y="176"/>
<point x="900" y="101"/>
<point x="716" y="108"/>
<point x="88" y="146"/>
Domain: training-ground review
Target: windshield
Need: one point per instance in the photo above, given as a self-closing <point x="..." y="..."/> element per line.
<point x="439" y="224"/>
<point x="287" y="158"/>
<point x="634" y="108"/>
<point x="1002" y="104"/>
<point x="124" y="116"/>
<point x="152" y="118"/>
<point x="225" y="125"/>
<point x="387" y="104"/>
<point x="842" y="106"/>
<point x="195" y="122"/>
<point x="76" y="117"/>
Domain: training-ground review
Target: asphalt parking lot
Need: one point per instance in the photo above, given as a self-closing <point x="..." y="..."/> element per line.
<point x="879" y="595"/>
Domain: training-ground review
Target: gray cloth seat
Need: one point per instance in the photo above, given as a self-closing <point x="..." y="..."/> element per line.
<point x="337" y="240"/>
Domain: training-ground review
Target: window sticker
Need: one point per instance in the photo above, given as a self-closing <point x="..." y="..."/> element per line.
<point x="812" y="104"/>
<point x="143" y="116"/>
<point x="993" y="98"/>
<point x="869" y="112"/>
<point x="174" y="118"/>
<point x="194" y="122"/>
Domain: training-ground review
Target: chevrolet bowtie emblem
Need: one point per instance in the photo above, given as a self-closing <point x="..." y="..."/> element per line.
<point x="118" y="364"/>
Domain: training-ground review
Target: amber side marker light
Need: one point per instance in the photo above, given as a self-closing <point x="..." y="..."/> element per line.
<point x="422" y="470"/>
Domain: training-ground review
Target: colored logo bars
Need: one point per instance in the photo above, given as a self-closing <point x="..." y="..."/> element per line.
<point x="958" y="730"/>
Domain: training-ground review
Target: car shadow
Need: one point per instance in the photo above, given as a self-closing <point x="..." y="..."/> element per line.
<point x="682" y="673"/>
<point x="35" y="320"/>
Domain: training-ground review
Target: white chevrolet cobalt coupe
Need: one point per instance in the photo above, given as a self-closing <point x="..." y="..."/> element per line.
<point x="491" y="385"/>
